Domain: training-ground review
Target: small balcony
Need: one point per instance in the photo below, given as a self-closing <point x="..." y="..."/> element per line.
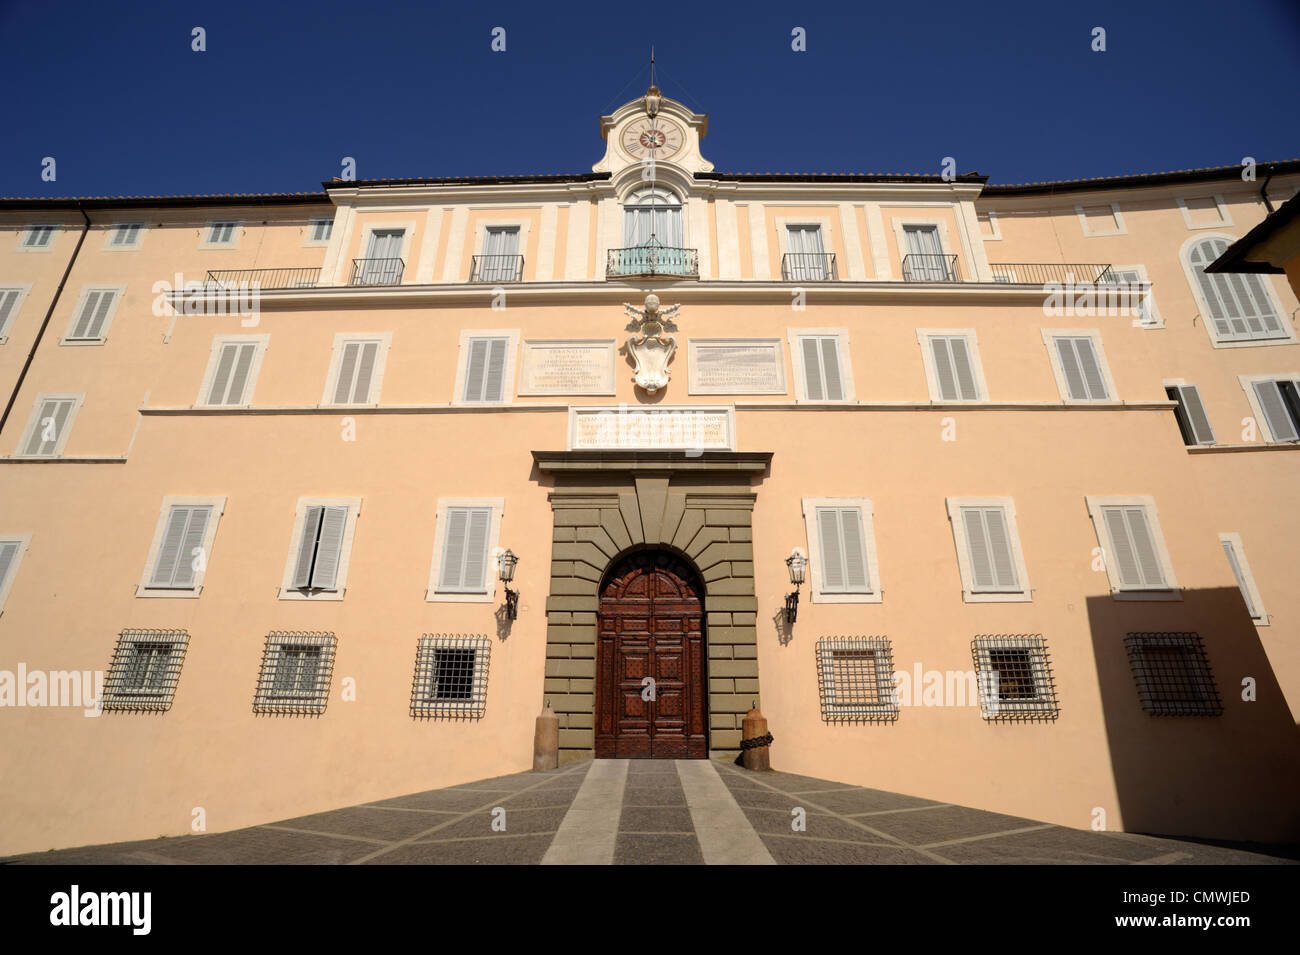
<point x="496" y="268"/>
<point x="809" y="267"/>
<point x="1044" y="273"/>
<point x="263" y="278"/>
<point x="645" y="260"/>
<point x="930" y="268"/>
<point x="377" y="271"/>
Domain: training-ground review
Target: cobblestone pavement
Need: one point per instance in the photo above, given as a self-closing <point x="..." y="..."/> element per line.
<point x="660" y="811"/>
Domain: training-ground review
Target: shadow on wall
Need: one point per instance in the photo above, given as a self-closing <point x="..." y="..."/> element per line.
<point x="1235" y="775"/>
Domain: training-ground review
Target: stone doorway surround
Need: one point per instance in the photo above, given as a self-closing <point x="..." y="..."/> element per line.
<point x="609" y="503"/>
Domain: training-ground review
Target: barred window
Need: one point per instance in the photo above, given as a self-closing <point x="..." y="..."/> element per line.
<point x="1173" y="674"/>
<point x="145" y="668"/>
<point x="296" y="672"/>
<point x="450" y="677"/>
<point x="1014" y="676"/>
<point x="856" y="680"/>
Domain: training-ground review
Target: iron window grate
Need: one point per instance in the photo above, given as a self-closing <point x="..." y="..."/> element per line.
<point x="1014" y="676"/>
<point x="1173" y="674"/>
<point x="855" y="677"/>
<point x="297" y="668"/>
<point x="144" y="671"/>
<point x="451" y="673"/>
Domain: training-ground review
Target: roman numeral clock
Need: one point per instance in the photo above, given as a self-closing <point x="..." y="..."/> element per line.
<point x="655" y="138"/>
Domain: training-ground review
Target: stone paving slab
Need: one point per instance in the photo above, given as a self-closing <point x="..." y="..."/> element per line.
<point x="647" y="812"/>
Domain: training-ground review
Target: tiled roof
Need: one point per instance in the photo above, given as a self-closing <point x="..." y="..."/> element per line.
<point x="468" y="180"/>
<point x="1262" y="170"/>
<point x="222" y="198"/>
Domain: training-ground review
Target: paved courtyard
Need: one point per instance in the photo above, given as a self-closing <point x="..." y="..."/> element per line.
<point x="648" y="812"/>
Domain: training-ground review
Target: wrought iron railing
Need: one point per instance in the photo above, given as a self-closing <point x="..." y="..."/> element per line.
<point x="809" y="267"/>
<point x="930" y="268"/>
<point x="1043" y="273"/>
<point x="263" y="278"/>
<point x="377" y="271"/>
<point x="653" y="260"/>
<point x="496" y="268"/>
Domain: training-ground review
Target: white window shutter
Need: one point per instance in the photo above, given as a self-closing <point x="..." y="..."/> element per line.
<point x="184" y="531"/>
<point x="192" y="541"/>
<point x="476" y="545"/>
<point x="812" y="370"/>
<point x="977" y="544"/>
<point x="1070" y="369"/>
<point x="1091" y="368"/>
<point x="452" y="573"/>
<point x="311" y="532"/>
<point x="94" y="311"/>
<point x="494" y="386"/>
<point x="832" y="556"/>
<point x="347" y="370"/>
<point x="57" y="409"/>
<point x="843" y="550"/>
<point x="230" y="380"/>
<point x="8" y="301"/>
<point x="1198" y="421"/>
<point x="329" y="550"/>
<point x="963" y="368"/>
<point x="1133" y="548"/>
<point x="1144" y="546"/>
<point x="1228" y="549"/>
<point x="365" y="372"/>
<point x="1269" y="395"/>
<point x="855" y="554"/>
<point x="8" y="551"/>
<point x="943" y="370"/>
<point x="476" y="369"/>
<point x="1004" y="564"/>
<point x="239" y="377"/>
<point x="1121" y="549"/>
<point x="831" y="369"/>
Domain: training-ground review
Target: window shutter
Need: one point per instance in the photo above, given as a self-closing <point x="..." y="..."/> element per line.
<point x="1070" y="369"/>
<point x="365" y="372"/>
<point x="831" y="369"/>
<point x="1091" y="368"/>
<point x="1081" y="369"/>
<point x="953" y="368"/>
<point x="8" y="302"/>
<point x="476" y="369"/>
<point x="496" y="371"/>
<point x="192" y="541"/>
<point x="963" y="368"/>
<point x="1004" y="565"/>
<point x="1121" y="548"/>
<point x="94" y="311"/>
<point x="988" y="541"/>
<point x="8" y="551"/>
<point x="311" y="532"/>
<point x="977" y="543"/>
<point x="1198" y="423"/>
<point x="184" y="532"/>
<point x="347" y="370"/>
<point x="230" y="380"/>
<point x="452" y="573"/>
<point x="58" y="409"/>
<point x="329" y="551"/>
<point x="1133" y="548"/>
<point x="464" y="550"/>
<point x="1271" y="403"/>
<point x="843" y="550"/>
<point x="943" y="371"/>
<point x="855" y="557"/>
<point x="322" y="229"/>
<point x="1228" y="548"/>
<point x="812" y="370"/>
<point x="1144" y="546"/>
<point x="832" y="556"/>
<point x="476" y="548"/>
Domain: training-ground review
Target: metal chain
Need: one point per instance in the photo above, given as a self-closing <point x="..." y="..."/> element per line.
<point x="756" y="741"/>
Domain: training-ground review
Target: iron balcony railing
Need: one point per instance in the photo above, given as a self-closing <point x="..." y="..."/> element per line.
<point x="496" y="268"/>
<point x="377" y="271"/>
<point x="1043" y="273"/>
<point x="809" y="267"/>
<point x="930" y="268"/>
<point x="653" y="260"/>
<point x="263" y="278"/>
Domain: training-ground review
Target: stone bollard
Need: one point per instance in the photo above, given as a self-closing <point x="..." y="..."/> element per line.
<point x="546" y="740"/>
<point x="755" y="740"/>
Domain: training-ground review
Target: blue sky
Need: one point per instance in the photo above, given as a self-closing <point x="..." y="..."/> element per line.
<point x="284" y="91"/>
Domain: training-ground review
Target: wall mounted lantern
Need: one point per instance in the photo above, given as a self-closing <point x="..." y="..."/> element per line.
<point x="507" y="562"/>
<point x="798" y="566"/>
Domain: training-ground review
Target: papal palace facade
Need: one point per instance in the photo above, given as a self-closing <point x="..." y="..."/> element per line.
<point x="261" y="456"/>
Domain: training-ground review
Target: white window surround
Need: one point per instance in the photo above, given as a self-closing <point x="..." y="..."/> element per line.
<point x="407" y="229"/>
<point x="462" y="364"/>
<point x="111" y="234"/>
<point x="902" y="222"/>
<point x="1062" y="386"/>
<point x="815" y="586"/>
<point x="218" y="505"/>
<point x="784" y="222"/>
<point x="120" y="293"/>
<point x="995" y="230"/>
<point x="77" y="398"/>
<point x="1184" y="383"/>
<point x="1120" y="227"/>
<point x="846" y="363"/>
<point x="968" y="592"/>
<point x="490" y="574"/>
<point x="1247" y="383"/>
<point x="353" y="504"/>
<point x="27" y="230"/>
<point x="480" y="234"/>
<point x="1232" y="539"/>
<point x="7" y="583"/>
<point x="341" y="339"/>
<point x="309" y="232"/>
<point x="931" y="373"/>
<point x="1171" y="590"/>
<point x="214" y="359"/>
<point x="24" y="289"/>
<point x="238" y="232"/>
<point x="1204" y="316"/>
<point x="1157" y="320"/>
<point x="1225" y="216"/>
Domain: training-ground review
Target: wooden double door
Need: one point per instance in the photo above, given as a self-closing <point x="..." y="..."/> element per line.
<point x="651" y="686"/>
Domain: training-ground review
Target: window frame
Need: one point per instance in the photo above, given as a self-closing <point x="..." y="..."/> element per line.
<point x="1171" y="590"/>
<point x="1288" y="334"/>
<point x="995" y="230"/>
<point x="1044" y="707"/>
<point x="968" y="592"/>
<point x="813" y="541"/>
<point x="308" y="240"/>
<point x="119" y="293"/>
<point x="24" y="541"/>
<point x="886" y="710"/>
<point x="1121" y="228"/>
<point x="1058" y="372"/>
<point x="1157" y="319"/>
<point x="432" y="594"/>
<point x="124" y="699"/>
<point x="508" y="383"/>
<point x="794" y="336"/>
<point x="1233" y="539"/>
<point x="1247" y="383"/>
<point x="1225" y="214"/>
<point x="267" y="701"/>
<point x="1189" y="641"/>
<point x="141" y="228"/>
<point x="480" y="241"/>
<point x="341" y="341"/>
<point x="287" y="591"/>
<point x="33" y="422"/>
<point x="54" y="227"/>
<point x="1179" y="383"/>
<point x="236" y="234"/>
<point x="424" y="681"/>
<point x="23" y="289"/>
<point x="923" y="336"/>
<point x="218" y="505"/>
<point x="214" y="360"/>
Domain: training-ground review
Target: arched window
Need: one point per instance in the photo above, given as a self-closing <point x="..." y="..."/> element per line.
<point x="1237" y="302"/>
<point x="652" y="212"/>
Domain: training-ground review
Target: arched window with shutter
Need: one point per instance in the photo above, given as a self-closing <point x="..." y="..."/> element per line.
<point x="652" y="212"/>
<point x="1237" y="305"/>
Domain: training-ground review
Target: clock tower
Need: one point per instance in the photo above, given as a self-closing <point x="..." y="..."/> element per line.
<point x="653" y="129"/>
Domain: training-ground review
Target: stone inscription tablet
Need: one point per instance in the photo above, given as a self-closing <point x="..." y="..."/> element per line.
<point x="736" y="366"/>
<point x="688" y="427"/>
<point x="567" y="367"/>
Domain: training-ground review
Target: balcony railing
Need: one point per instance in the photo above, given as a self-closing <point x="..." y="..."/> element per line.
<point x="496" y="268"/>
<point x="809" y="267"/>
<point x="377" y="271"/>
<point x="653" y="260"/>
<point x="1043" y="273"/>
<point x="263" y="278"/>
<point x="930" y="268"/>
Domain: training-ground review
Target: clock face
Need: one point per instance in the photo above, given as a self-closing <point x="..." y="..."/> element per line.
<point x="641" y="141"/>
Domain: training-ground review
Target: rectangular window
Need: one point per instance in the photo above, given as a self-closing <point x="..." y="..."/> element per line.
<point x="182" y="547"/>
<point x="1236" y="554"/>
<point x="51" y="422"/>
<point x="232" y="370"/>
<point x="222" y="234"/>
<point x="383" y="263"/>
<point x="1133" y="280"/>
<point x="39" y="237"/>
<point x="465" y="540"/>
<point x="11" y="299"/>
<point x="91" y="319"/>
<point x="1079" y="365"/>
<point x="1014" y="676"/>
<point x="12" y="549"/>
<point x="357" y="369"/>
<point x="820" y="357"/>
<point x="451" y="675"/>
<point x="842" y="550"/>
<point x="1238" y="307"/>
<point x="1173" y="674"/>
<point x="320" y="231"/>
<point x="855" y="676"/>
<point x="500" y="260"/>
<point x="295" y="674"/>
<point x="1276" y="402"/>
<point x="317" y="565"/>
<point x="125" y="235"/>
<point x="486" y="369"/>
<point x="1098" y="220"/>
<point x="145" y="669"/>
<point x="1193" y="423"/>
<point x="1133" y="548"/>
<point x="952" y="365"/>
<point x="806" y="259"/>
<point x="988" y="550"/>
